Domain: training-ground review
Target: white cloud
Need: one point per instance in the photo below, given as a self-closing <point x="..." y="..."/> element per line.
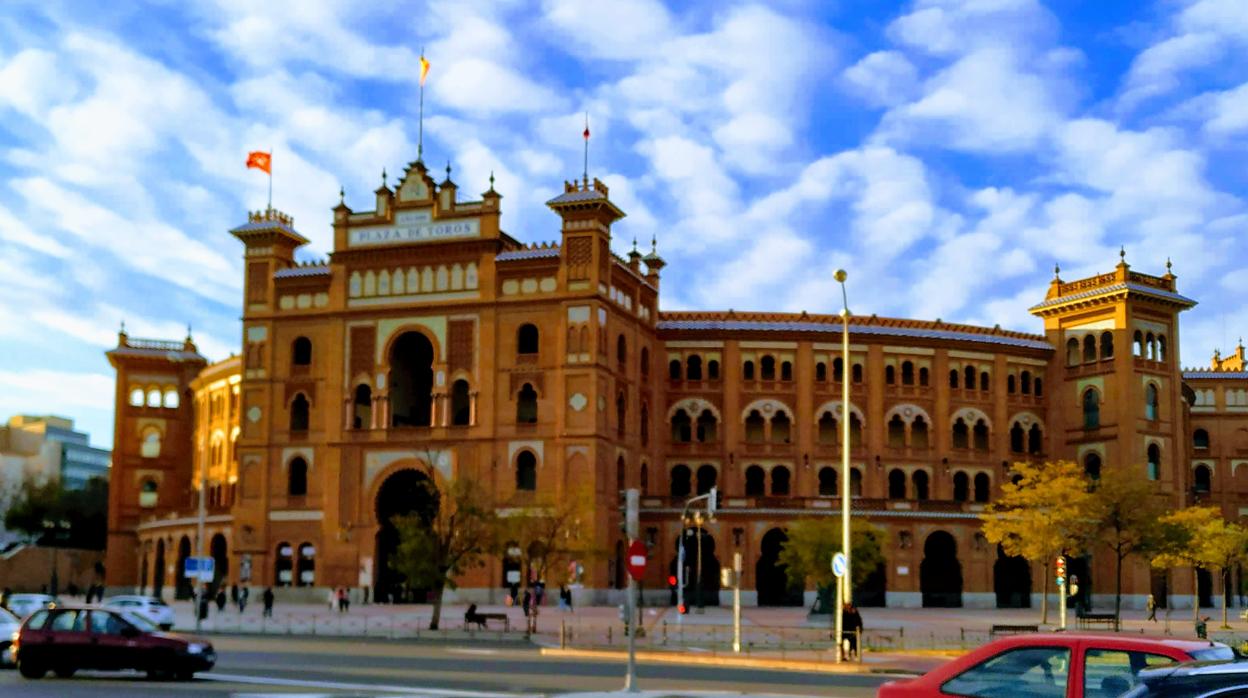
<point x="951" y="27"/>
<point x="32" y="81"/>
<point x="883" y="78"/>
<point x="1156" y="70"/>
<point x="54" y="392"/>
<point x="619" y="29"/>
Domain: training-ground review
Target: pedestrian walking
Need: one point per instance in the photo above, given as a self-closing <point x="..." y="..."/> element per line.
<point x="332" y="598"/>
<point x="563" y="598"/>
<point x="242" y="599"/>
<point x="342" y="599"/>
<point x="346" y="600"/>
<point x="1152" y="608"/>
<point x="220" y="599"/>
<point x="203" y="603"/>
<point x="528" y="601"/>
<point x="1202" y="628"/>
<point x="851" y="625"/>
<point x="267" y="599"/>
<point x="234" y="594"/>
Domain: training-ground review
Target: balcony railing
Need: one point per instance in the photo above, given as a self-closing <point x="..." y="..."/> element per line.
<point x="733" y="504"/>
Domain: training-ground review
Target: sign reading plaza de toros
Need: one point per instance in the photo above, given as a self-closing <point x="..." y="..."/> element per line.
<point x="414" y="226"/>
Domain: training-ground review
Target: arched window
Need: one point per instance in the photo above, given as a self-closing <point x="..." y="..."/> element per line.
<point x="1009" y="384"/>
<point x="1091" y="409"/>
<point x="961" y="434"/>
<point x="920" y="481"/>
<point x="299" y="413"/>
<point x="283" y="565"/>
<point x="961" y="487"/>
<point x="755" y="481"/>
<point x="747" y="370"/>
<point x="780" y="481"/>
<point x="953" y="377"/>
<point x="1089" y="349"/>
<point x="1202" y="480"/>
<point x="1025" y="382"/>
<point x="838" y="370"/>
<point x="984" y="381"/>
<point x="645" y="362"/>
<point x="1150" y="402"/>
<point x="855" y="482"/>
<point x="970" y="378"/>
<point x="1092" y="466"/>
<point x="527" y="339"/>
<point x="856" y="373"/>
<point x="526" y="471"/>
<point x="780" y="427"/>
<point x="827" y="482"/>
<point x="136" y="397"/>
<point x="171" y="398"/>
<point x="673" y="369"/>
<point x="1038" y="387"/>
<point x="1154" y="462"/>
<point x="148" y="494"/>
<point x="896" y="484"/>
<point x="680" y="484"/>
<point x="821" y="372"/>
<point x="645" y="478"/>
<point x="1161" y="347"/>
<point x="1137" y="348"/>
<point x="621" y="351"/>
<point x="712" y="370"/>
<point x="362" y="407"/>
<point x="526" y="405"/>
<point x="149" y="446"/>
<point x="919" y="432"/>
<point x="786" y="371"/>
<point x="297" y="477"/>
<point x="907" y="373"/>
<point x="827" y="428"/>
<point x="1200" y="439"/>
<point x="1072" y="352"/>
<point x="693" y="368"/>
<point x="619" y="473"/>
<point x="621" y="414"/>
<point x="461" y="404"/>
<point x="980" y="434"/>
<point x="767" y="368"/>
<point x="301" y="352"/>
<point x="682" y="427"/>
<point x="306" y="566"/>
<point x="855" y="431"/>
<point x="1107" y="345"/>
<point x="754" y="427"/>
<point x="890" y="375"/>
<point x="982" y="484"/>
<point x="153" y="397"/>
<point x="896" y="432"/>
<point x="1150" y="346"/>
<point x="706" y="426"/>
<point x="1035" y="440"/>
<point x="1018" y="437"/>
<point x="707" y="477"/>
<point x="923" y="377"/>
<point x="644" y="430"/>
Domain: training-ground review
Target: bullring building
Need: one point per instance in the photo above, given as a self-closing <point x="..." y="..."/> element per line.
<point x="430" y="336"/>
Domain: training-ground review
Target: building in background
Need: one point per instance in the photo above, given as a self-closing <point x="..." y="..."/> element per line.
<point x="42" y="448"/>
<point x="431" y="336"/>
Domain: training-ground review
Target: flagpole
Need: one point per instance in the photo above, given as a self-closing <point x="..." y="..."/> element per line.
<point x="270" y="178"/>
<point x="420" y="137"/>
<point x="585" y="172"/>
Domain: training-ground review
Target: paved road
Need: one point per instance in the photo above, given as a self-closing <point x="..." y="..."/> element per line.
<point x="262" y="666"/>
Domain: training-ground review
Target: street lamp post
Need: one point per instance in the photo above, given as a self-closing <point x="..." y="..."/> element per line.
<point x="54" y="531"/>
<point x="845" y="583"/>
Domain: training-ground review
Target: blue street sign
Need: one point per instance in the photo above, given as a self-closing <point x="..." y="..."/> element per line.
<point x="838" y="565"/>
<point x="199" y="567"/>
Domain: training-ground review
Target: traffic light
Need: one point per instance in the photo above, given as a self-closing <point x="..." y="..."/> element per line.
<point x="671" y="587"/>
<point x="1060" y="567"/>
<point x="712" y="503"/>
<point x="683" y="609"/>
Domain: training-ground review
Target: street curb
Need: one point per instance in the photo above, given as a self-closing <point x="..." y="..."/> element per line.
<point x="720" y="660"/>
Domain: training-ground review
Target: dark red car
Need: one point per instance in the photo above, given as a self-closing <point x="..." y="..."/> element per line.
<point x="65" y="639"/>
<point x="1054" y="665"/>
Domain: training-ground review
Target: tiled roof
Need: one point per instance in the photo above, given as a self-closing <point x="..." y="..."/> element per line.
<point x="813" y="324"/>
<point x="571" y="197"/>
<point x="170" y="354"/>
<point x="258" y="226"/>
<point x="535" y="253"/>
<point x="293" y="272"/>
<point x="1218" y="375"/>
<point x="1114" y="288"/>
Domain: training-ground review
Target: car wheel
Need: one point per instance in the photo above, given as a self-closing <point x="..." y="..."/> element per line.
<point x="184" y="675"/>
<point x="30" y="670"/>
<point x="64" y="672"/>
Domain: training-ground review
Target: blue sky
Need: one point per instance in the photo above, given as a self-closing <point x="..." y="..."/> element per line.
<point x="948" y="153"/>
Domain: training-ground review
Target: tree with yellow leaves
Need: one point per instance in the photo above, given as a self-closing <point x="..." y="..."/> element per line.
<point x="1126" y="509"/>
<point x="1200" y="538"/>
<point x="1042" y="514"/>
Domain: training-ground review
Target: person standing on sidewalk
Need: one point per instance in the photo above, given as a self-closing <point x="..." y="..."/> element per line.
<point x="242" y="599"/>
<point x="1151" y="604"/>
<point x="267" y="598"/>
<point x="851" y="625"/>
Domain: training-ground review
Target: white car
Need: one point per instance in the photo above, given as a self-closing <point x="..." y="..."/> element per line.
<point x="152" y="609"/>
<point x="23" y="605"/>
<point x="9" y="624"/>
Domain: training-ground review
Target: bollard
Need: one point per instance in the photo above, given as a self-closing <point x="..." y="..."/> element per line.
<point x="563" y="634"/>
<point x="901" y="638"/>
<point x="609" y="629"/>
<point x="858" y="632"/>
<point x="665" y="633"/>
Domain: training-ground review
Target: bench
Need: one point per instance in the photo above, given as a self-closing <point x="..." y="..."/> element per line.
<point x="481" y="620"/>
<point x="1085" y="620"/>
<point x="1013" y="629"/>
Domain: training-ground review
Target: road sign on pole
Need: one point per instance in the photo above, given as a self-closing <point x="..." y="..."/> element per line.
<point x="637" y="559"/>
<point x="838" y="565"/>
<point x="636" y="568"/>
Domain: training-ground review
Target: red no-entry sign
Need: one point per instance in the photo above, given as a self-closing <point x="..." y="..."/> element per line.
<point x="637" y="559"/>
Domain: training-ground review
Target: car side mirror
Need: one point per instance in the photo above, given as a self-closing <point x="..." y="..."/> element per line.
<point x="130" y="632"/>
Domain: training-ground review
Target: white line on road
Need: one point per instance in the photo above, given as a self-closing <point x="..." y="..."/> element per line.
<point x="363" y="687"/>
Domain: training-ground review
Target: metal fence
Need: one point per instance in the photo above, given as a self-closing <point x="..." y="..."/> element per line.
<point x="346" y="625"/>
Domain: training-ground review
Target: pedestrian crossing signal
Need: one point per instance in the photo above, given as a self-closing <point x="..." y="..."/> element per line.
<point x="684" y="610"/>
<point x="671" y="580"/>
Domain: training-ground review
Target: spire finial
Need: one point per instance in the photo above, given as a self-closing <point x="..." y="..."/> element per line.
<point x="448" y="170"/>
<point x="342" y="195"/>
<point x="654" y="244"/>
<point x="123" y="326"/>
<point x="491" y="180"/>
<point x="634" y="243"/>
<point x="1168" y="265"/>
<point x="188" y="331"/>
<point x="1057" y="270"/>
<point x="1122" y="253"/>
<point x="383" y="176"/>
<point x="585" y="172"/>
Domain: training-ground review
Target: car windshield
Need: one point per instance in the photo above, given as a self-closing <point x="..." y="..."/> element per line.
<point x="1210" y="653"/>
<point x="7" y="618"/>
<point x="138" y="621"/>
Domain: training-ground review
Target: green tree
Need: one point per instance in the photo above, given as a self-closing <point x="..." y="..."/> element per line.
<point x="552" y="533"/>
<point x="436" y="548"/>
<point x="38" y="507"/>
<point x="1126" y="509"/>
<point x="813" y="540"/>
<point x="1042" y="515"/>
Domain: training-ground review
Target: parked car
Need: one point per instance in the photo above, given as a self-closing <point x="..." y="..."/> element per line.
<point x="1193" y="680"/>
<point x="65" y="639"/>
<point x="23" y="605"/>
<point x="1055" y="665"/>
<point x="150" y="607"/>
<point x="9" y="624"/>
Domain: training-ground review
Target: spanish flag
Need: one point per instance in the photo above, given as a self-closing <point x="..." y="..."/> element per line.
<point x="424" y="69"/>
<point x="261" y="161"/>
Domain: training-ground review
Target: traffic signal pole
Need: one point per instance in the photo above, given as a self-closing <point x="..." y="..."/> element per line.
<point x="711" y="503"/>
<point x="1061" y="592"/>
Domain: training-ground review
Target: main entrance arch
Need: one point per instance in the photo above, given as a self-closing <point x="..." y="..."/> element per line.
<point x="709" y="567"/>
<point x="1011" y="580"/>
<point x="770" y="579"/>
<point x="940" y="573"/>
<point x="411" y="380"/>
<point x="404" y="492"/>
<point x="183" y="588"/>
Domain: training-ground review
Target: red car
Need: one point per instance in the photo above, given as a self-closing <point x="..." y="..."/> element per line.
<point x="1054" y="665"/>
<point x="65" y="639"/>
